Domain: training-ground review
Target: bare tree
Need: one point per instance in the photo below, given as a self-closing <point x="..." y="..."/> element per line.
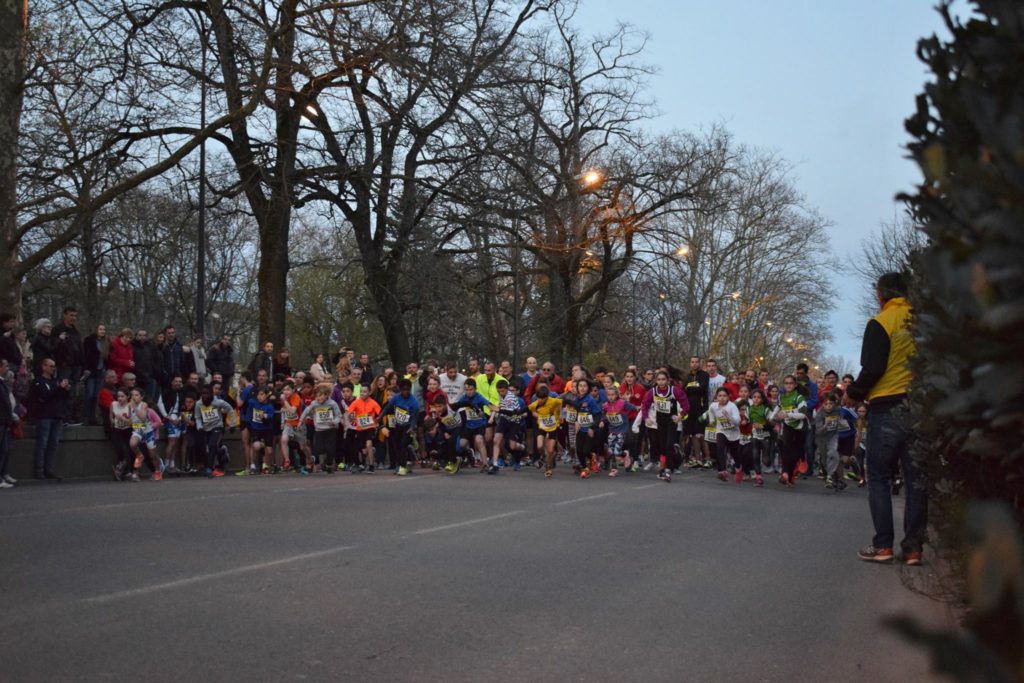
<point x="891" y="248"/>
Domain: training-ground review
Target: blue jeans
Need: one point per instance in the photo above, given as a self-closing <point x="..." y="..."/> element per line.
<point x="888" y="443"/>
<point x="92" y="391"/>
<point x="48" y="431"/>
<point x="5" y="448"/>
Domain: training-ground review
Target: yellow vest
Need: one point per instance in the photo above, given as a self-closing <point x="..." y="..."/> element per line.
<point x="894" y="318"/>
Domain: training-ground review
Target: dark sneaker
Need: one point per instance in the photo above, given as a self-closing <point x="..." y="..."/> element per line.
<point x="873" y="554"/>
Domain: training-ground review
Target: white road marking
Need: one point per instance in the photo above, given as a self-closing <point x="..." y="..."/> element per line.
<point x="109" y="597"/>
<point x="580" y="500"/>
<point x="468" y="522"/>
<point x="648" y="486"/>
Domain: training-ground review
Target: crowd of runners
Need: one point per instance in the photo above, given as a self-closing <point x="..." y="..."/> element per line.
<point x="345" y="415"/>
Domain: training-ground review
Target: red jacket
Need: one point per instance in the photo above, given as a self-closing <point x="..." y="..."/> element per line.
<point x="121" y="357"/>
<point x="634" y="395"/>
<point x="556" y="384"/>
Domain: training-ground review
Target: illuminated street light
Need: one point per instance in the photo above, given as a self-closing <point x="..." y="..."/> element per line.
<point x="736" y="295"/>
<point x="592" y="178"/>
<point x="683" y="251"/>
<point x="662" y="296"/>
<point x="768" y="323"/>
<point x="707" y="321"/>
<point x="789" y="340"/>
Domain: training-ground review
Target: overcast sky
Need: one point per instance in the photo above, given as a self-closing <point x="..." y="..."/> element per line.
<point x="826" y="84"/>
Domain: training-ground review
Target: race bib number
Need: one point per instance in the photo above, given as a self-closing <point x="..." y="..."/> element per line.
<point x="209" y="415"/>
<point x="831" y="423"/>
<point x="258" y="416"/>
<point x="323" y="417"/>
<point x="121" y="423"/>
<point x="662" y="404"/>
<point x="290" y="414"/>
<point x="724" y="422"/>
<point x="760" y="433"/>
<point x="450" y="421"/>
<point x="364" y="421"/>
<point x="615" y="419"/>
<point x="571" y="415"/>
<point x="473" y="414"/>
<point x="401" y="417"/>
<point x="138" y="426"/>
<point x="585" y="419"/>
<point x="548" y="422"/>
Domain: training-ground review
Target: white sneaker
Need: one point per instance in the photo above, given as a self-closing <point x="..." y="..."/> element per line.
<point x="10" y="480"/>
<point x="648" y="467"/>
<point x="5" y="485"/>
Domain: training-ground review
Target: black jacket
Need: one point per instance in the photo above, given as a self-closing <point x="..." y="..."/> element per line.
<point x="147" y="359"/>
<point x="262" y="360"/>
<point x="222" y="360"/>
<point x="6" y="413"/>
<point x="69" y="349"/>
<point x="46" y="399"/>
<point x="9" y="350"/>
<point x="43" y="347"/>
<point x="95" y="358"/>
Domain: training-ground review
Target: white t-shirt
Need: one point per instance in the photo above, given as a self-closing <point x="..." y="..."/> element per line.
<point x="713" y="384"/>
<point x="452" y="388"/>
<point x="727" y="420"/>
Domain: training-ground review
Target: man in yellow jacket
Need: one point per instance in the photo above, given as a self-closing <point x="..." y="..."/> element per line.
<point x="884" y="381"/>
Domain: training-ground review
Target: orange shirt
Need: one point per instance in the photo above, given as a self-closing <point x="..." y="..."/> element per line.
<point x="291" y="409"/>
<point x="365" y="412"/>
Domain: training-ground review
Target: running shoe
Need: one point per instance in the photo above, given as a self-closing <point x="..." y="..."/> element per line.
<point x="242" y="472"/>
<point x="493" y="469"/>
<point x="436" y="466"/>
<point x="594" y="466"/>
<point x="584" y="473"/>
<point x="266" y="468"/>
<point x="897" y="485"/>
<point x="402" y="471"/>
<point x="304" y="471"/>
<point x="158" y="476"/>
<point x="613" y="472"/>
<point x="784" y="479"/>
<point x="501" y="462"/>
<point x="758" y="481"/>
<point x="138" y="462"/>
<point x="723" y="475"/>
<point x="668" y="477"/>
<point x="372" y="469"/>
<point x="861" y="483"/>
<point x="627" y="461"/>
<point x="677" y="471"/>
<point x="706" y="465"/>
<point x="449" y="468"/>
<point x="547" y="473"/>
<point x="635" y="467"/>
<point x="912" y="559"/>
<point x="517" y="466"/>
<point x="873" y="554"/>
<point x="648" y="467"/>
<point x="829" y="484"/>
<point x="852" y="476"/>
<point x="218" y="472"/>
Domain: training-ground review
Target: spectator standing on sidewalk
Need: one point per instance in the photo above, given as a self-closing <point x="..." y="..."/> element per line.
<point x="8" y="418"/>
<point x="48" y="406"/>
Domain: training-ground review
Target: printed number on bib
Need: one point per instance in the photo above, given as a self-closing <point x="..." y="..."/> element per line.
<point x="121" y="423"/>
<point x="138" y="426"/>
<point x="548" y="422"/>
<point x="401" y="417"/>
<point x="760" y="433"/>
<point x="450" y="420"/>
<point x="571" y="415"/>
<point x="615" y="419"/>
<point x="258" y="416"/>
<point x="831" y="423"/>
<point x="322" y="417"/>
<point x="364" y="421"/>
<point x="585" y="419"/>
<point x="209" y="415"/>
<point x="662" y="404"/>
<point x="473" y="414"/>
<point x="724" y="422"/>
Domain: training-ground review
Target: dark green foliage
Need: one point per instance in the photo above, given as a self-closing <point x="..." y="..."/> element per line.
<point x="968" y="138"/>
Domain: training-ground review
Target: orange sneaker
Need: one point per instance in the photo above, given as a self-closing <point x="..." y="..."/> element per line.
<point x="157" y="476"/>
<point x="584" y="473"/>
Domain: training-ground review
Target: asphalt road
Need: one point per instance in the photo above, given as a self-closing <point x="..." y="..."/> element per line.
<point x="430" y="577"/>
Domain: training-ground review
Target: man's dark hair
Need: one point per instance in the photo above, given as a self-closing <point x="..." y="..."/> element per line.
<point x="69" y="309"/>
<point x="852" y="378"/>
<point x="891" y="285"/>
<point x="802" y="366"/>
<point x="247" y="375"/>
<point x="833" y="373"/>
<point x="404" y="384"/>
<point x="5" y="317"/>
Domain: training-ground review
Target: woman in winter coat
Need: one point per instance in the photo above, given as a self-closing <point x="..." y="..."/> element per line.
<point x="122" y="355"/>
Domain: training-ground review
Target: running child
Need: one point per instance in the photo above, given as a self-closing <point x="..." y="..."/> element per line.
<point x="547" y="410"/>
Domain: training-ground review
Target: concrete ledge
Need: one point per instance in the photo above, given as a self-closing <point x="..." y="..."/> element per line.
<point x="86" y="452"/>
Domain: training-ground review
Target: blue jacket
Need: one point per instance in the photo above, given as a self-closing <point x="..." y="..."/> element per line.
<point x="267" y="423"/>
<point x="587" y="404"/>
<point x="474" y="416"/>
<point x="401" y="406"/>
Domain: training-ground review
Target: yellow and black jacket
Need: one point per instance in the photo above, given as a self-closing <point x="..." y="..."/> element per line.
<point x="888" y="346"/>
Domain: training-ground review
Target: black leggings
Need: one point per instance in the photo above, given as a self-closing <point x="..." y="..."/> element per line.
<point x="325" y="444"/>
<point x="724" y="449"/>
<point x="398" y="446"/>
<point x="761" y="453"/>
<point x="662" y="441"/>
<point x="791" y="448"/>
<point x="584" y="446"/>
<point x="122" y="449"/>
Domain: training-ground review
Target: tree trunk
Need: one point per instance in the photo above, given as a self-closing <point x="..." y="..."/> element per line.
<point x="560" y="305"/>
<point x="272" y="275"/>
<point x="389" y="312"/>
<point x="13" y="31"/>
